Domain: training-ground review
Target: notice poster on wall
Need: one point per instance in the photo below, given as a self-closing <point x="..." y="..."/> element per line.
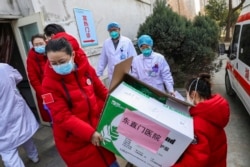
<point x="86" y="27"/>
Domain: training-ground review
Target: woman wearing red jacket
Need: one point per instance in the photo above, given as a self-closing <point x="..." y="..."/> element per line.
<point x="210" y="115"/>
<point x="35" y="68"/>
<point x="71" y="91"/>
<point x="54" y="31"/>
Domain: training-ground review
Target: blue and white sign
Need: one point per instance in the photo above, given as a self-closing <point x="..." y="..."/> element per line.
<point x="86" y="28"/>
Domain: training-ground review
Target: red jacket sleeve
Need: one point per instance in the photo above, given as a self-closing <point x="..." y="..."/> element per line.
<point x="197" y="154"/>
<point x="33" y="74"/>
<point x="100" y="90"/>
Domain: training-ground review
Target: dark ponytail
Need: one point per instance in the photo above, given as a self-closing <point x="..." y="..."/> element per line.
<point x="202" y="84"/>
<point x="53" y="29"/>
<point x="59" y="44"/>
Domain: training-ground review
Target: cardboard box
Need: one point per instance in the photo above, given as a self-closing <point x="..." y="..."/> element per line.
<point x="139" y="126"/>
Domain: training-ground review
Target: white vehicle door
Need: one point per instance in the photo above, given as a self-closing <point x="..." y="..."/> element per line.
<point x="243" y="67"/>
<point x="232" y="64"/>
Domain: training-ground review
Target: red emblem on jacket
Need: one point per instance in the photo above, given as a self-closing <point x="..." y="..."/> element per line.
<point x="47" y="98"/>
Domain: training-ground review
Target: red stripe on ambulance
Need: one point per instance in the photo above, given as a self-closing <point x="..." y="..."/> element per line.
<point x="242" y="81"/>
<point x="244" y="17"/>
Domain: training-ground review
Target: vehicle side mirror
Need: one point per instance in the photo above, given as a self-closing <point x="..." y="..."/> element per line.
<point x="232" y="56"/>
<point x="232" y="51"/>
<point x="235" y="48"/>
<point x="222" y="49"/>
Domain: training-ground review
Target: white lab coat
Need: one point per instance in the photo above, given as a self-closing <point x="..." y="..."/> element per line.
<point x="153" y="70"/>
<point x="111" y="56"/>
<point x="17" y="122"/>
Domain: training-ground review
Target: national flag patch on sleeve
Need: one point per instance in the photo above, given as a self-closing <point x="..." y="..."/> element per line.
<point x="47" y="98"/>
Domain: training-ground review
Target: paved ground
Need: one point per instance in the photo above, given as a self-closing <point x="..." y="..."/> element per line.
<point x="49" y="156"/>
<point x="238" y="129"/>
<point x="238" y="132"/>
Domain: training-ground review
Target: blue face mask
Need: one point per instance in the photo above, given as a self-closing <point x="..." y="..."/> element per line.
<point x="40" y="49"/>
<point x="114" y="34"/>
<point x="65" y="68"/>
<point x="146" y="52"/>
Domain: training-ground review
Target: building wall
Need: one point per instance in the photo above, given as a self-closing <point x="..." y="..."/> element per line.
<point x="15" y="8"/>
<point x="185" y="8"/>
<point x="191" y="8"/>
<point x="129" y="13"/>
<point x="203" y="3"/>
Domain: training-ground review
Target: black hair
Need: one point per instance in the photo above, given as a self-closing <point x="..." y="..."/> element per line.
<point x="53" y="29"/>
<point x="202" y="84"/>
<point x="59" y="44"/>
<point x="37" y="36"/>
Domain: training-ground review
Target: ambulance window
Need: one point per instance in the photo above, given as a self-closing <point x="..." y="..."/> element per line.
<point x="235" y="39"/>
<point x="244" y="52"/>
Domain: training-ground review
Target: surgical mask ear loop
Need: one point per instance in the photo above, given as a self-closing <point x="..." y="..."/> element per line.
<point x="190" y="86"/>
<point x="195" y="89"/>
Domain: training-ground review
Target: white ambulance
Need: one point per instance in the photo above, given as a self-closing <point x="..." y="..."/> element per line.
<point x="237" y="78"/>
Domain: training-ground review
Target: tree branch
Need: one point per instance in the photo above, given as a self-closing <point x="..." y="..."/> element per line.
<point x="239" y="6"/>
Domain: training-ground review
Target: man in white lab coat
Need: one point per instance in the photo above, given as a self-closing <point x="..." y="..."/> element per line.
<point x="115" y="49"/>
<point x="17" y="122"/>
<point x="151" y="67"/>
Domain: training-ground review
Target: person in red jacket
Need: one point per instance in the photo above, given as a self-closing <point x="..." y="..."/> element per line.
<point x="35" y="68"/>
<point x="54" y="31"/>
<point x="210" y="115"/>
<point x="71" y="91"/>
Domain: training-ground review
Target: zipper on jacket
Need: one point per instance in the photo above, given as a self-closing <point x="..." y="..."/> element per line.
<point x="68" y="134"/>
<point x="84" y="94"/>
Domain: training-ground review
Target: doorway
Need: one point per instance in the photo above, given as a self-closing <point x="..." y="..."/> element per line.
<point x="9" y="53"/>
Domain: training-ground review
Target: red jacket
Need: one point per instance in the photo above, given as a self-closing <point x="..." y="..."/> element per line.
<point x="74" y="126"/>
<point x="210" y="148"/>
<point x="35" y="69"/>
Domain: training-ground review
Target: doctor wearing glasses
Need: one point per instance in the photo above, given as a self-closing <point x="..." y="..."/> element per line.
<point x="151" y="67"/>
<point x="115" y="49"/>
